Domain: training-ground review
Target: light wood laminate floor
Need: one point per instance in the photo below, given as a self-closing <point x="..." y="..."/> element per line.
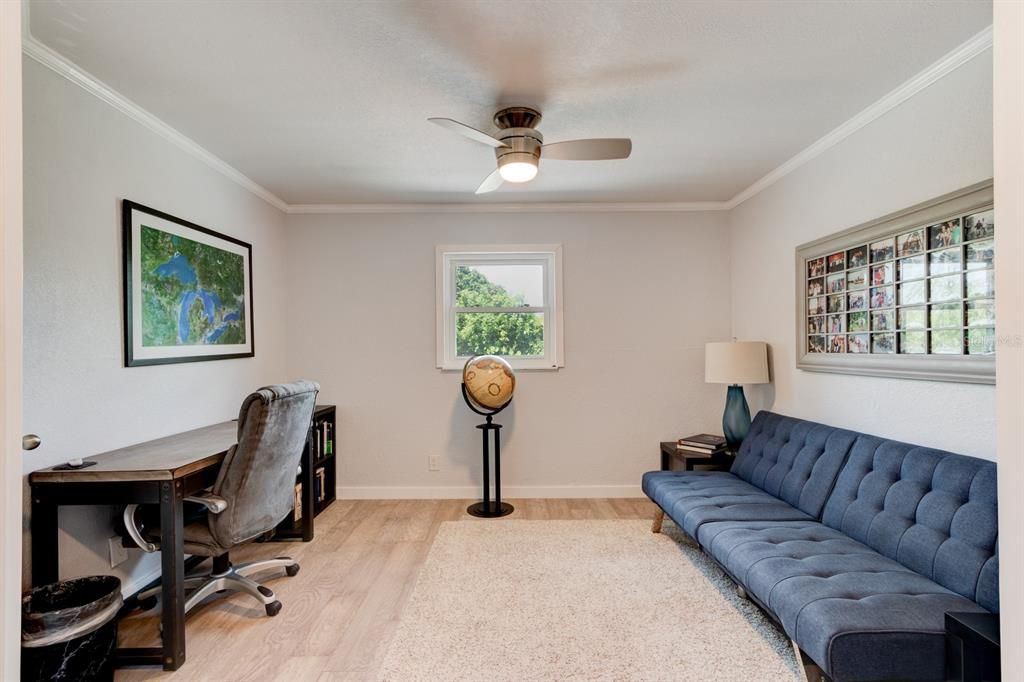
<point x="341" y="610"/>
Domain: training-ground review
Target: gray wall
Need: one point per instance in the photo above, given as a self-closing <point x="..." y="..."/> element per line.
<point x="81" y="157"/>
<point x="938" y="141"/>
<point x="643" y="293"/>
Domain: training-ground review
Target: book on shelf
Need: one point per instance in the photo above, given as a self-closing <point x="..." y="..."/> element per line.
<point x="324" y="435"/>
<point x="703" y="441"/>
<point x="695" y="452"/>
<point x="321" y="484"/>
<point x="328" y="437"/>
<point x="297" y="511"/>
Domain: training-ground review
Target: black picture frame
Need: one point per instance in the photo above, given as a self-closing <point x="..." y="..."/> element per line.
<point x="129" y="209"/>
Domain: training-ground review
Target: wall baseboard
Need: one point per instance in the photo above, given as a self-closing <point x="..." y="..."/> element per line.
<point x="135" y="584"/>
<point x="467" y="492"/>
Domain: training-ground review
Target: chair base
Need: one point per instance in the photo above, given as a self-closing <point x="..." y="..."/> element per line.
<point x="224" y="577"/>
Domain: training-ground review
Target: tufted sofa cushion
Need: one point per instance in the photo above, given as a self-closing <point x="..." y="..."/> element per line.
<point x="860" y="615"/>
<point x="793" y="459"/>
<point x="932" y="511"/>
<point x="692" y="498"/>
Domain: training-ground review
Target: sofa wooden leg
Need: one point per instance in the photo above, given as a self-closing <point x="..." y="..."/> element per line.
<point x="812" y="672"/>
<point x="659" y="518"/>
<point x="742" y="593"/>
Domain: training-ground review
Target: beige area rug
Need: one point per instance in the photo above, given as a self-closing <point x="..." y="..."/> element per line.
<point x="578" y="600"/>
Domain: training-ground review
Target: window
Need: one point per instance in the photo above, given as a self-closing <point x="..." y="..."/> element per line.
<point x="499" y="300"/>
<point x="910" y="295"/>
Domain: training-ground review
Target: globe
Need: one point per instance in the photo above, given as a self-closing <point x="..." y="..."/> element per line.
<point x="489" y="381"/>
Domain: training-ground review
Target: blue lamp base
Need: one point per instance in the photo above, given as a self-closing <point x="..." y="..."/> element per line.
<point x="736" y="419"/>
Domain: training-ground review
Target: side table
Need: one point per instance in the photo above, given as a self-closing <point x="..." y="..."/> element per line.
<point x="972" y="647"/>
<point x="721" y="461"/>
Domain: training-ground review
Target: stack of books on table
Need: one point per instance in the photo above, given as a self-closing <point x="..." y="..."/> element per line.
<point x="702" y="444"/>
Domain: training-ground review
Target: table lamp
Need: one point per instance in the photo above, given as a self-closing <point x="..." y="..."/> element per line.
<point x="736" y="363"/>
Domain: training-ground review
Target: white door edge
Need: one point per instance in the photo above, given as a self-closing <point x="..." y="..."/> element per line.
<point x="10" y="338"/>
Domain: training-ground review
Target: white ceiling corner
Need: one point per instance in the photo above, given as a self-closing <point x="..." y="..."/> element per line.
<point x="398" y="183"/>
<point x="47" y="57"/>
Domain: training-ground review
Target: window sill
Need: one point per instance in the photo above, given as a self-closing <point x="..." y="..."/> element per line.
<point x="521" y="366"/>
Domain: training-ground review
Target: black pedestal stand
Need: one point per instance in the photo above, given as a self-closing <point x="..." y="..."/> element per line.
<point x="487" y="508"/>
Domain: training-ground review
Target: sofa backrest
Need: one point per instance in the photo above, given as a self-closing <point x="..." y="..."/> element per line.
<point x="793" y="459"/>
<point x="930" y="510"/>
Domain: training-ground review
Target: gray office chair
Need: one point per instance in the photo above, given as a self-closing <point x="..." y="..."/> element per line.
<point x="254" y="491"/>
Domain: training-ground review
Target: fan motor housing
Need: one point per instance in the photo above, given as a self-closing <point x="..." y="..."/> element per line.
<point x="517" y="117"/>
<point x="522" y="145"/>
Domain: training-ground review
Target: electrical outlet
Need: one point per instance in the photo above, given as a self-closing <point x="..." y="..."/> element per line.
<point x="434" y="463"/>
<point x="118" y="552"/>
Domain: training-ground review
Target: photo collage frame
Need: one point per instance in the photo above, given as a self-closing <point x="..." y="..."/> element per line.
<point x="924" y="290"/>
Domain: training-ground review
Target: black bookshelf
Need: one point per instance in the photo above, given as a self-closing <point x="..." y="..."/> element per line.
<point x="316" y="484"/>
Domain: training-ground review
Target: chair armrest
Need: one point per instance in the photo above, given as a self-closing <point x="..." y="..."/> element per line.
<point x="215" y="504"/>
<point x="133" y="530"/>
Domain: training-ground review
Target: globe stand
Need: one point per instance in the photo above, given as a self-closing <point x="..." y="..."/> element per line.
<point x="488" y="509"/>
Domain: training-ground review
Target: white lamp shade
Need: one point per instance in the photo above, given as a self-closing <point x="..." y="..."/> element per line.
<point x="736" y="362"/>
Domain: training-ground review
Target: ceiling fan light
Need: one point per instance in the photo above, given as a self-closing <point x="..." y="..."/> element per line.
<point x="518" y="171"/>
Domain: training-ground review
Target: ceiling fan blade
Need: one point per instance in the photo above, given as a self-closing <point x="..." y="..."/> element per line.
<point x="490" y="183"/>
<point x="468" y="131"/>
<point x="597" y="149"/>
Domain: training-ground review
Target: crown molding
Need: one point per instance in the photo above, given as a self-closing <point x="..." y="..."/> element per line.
<point x="539" y="207"/>
<point x="943" y="67"/>
<point x="64" y="67"/>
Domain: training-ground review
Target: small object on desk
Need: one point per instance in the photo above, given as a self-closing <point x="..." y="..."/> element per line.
<point x="73" y="464"/>
<point x="972" y="647"/>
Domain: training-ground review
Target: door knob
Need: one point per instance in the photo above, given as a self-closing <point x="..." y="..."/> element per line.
<point x="30" y="441"/>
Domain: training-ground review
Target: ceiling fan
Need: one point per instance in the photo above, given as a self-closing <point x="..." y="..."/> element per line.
<point x="518" y="146"/>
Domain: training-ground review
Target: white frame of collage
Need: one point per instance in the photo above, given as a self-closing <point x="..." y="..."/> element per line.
<point x="920" y="307"/>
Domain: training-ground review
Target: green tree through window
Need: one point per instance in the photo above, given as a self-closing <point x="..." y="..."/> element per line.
<point x="493" y="333"/>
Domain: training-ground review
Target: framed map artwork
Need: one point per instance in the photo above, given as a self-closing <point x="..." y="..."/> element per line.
<point x="187" y="291"/>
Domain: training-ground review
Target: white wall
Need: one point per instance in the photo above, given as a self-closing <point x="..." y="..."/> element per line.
<point x="81" y="158"/>
<point x="936" y="142"/>
<point x="1009" y="163"/>
<point x="643" y="292"/>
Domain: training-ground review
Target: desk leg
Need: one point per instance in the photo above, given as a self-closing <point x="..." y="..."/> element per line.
<point x="44" y="540"/>
<point x="664" y="460"/>
<point x="172" y="560"/>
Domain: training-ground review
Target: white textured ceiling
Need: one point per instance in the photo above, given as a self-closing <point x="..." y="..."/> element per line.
<point x="326" y="102"/>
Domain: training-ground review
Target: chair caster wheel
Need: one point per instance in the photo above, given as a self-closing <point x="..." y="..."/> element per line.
<point x="273" y="608"/>
<point x="291" y="570"/>
<point x="147" y="604"/>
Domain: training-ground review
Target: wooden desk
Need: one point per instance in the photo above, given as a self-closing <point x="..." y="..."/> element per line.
<point x="163" y="472"/>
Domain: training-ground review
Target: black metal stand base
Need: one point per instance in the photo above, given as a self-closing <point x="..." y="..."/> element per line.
<point x="490" y="510"/>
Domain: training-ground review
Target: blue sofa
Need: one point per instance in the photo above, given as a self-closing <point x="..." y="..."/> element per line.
<point x="856" y="545"/>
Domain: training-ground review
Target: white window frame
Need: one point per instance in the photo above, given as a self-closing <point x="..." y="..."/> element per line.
<point x="549" y="256"/>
